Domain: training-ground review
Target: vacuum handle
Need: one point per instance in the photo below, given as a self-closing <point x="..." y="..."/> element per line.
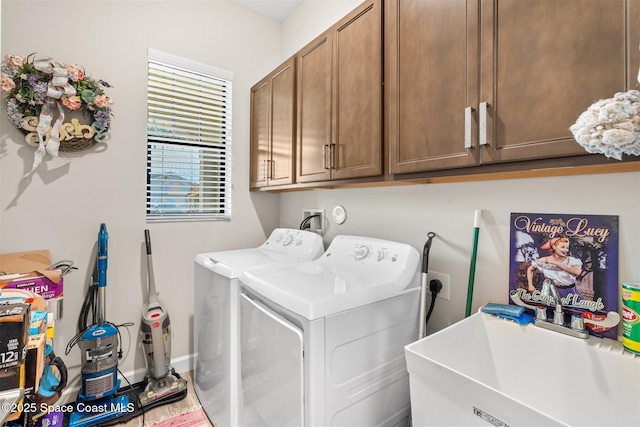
<point x="153" y="293"/>
<point x="103" y="244"/>
<point x="147" y="240"/>
<point x="425" y="252"/>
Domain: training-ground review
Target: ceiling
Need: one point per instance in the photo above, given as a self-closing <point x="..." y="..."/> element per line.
<point x="278" y="10"/>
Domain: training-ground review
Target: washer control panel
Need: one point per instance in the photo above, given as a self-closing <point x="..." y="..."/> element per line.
<point x="291" y="241"/>
<point x="373" y="252"/>
<point x="367" y="251"/>
<point x="384" y="259"/>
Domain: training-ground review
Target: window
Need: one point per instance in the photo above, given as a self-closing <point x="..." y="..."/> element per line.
<point x="188" y="140"/>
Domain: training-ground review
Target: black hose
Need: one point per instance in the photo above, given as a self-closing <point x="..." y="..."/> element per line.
<point x="305" y="222"/>
<point x="88" y="305"/>
<point x="435" y="286"/>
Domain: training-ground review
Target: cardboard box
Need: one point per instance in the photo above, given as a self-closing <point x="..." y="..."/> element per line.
<point x="50" y="330"/>
<point x="34" y="363"/>
<point x="24" y="262"/>
<point x="12" y="377"/>
<point x="40" y="285"/>
<point x="14" y="329"/>
<point x="38" y="322"/>
<point x="27" y="271"/>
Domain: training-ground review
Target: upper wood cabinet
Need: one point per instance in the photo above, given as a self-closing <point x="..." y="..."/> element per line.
<point x="483" y="81"/>
<point x="273" y="128"/>
<point x="339" y="99"/>
<point x="431" y="80"/>
<point x="314" y="110"/>
<point x="633" y="44"/>
<point x="543" y="63"/>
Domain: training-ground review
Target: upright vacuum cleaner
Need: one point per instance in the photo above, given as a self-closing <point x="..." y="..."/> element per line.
<point x="162" y="383"/>
<point x="97" y="401"/>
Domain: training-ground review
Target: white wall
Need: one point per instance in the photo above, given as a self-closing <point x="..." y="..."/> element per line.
<point x="408" y="213"/>
<point x="310" y="19"/>
<point x="61" y="208"/>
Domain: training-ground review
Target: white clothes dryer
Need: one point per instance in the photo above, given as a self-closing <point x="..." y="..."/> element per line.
<point x="216" y="315"/>
<point x="322" y="342"/>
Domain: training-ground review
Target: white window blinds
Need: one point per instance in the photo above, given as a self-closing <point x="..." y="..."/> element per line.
<point x="188" y="140"/>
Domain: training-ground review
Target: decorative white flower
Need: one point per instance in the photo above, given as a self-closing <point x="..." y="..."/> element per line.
<point x="611" y="126"/>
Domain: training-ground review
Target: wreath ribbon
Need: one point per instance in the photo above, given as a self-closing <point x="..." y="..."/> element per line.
<point x="58" y="86"/>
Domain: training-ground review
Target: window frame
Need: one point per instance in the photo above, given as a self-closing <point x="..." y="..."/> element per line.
<point x="203" y="157"/>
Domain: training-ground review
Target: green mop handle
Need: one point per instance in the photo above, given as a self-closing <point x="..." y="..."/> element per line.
<point x="472" y="268"/>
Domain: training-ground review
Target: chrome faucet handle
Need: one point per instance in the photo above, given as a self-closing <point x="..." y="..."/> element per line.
<point x="541" y="313"/>
<point x="540" y="310"/>
<point x="577" y="323"/>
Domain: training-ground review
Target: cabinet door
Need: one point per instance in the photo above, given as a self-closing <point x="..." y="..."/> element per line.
<point x="431" y="83"/>
<point x="282" y="124"/>
<point x="259" y="139"/>
<point x="313" y="66"/>
<point x="357" y="93"/>
<point x="633" y="44"/>
<point x="543" y="63"/>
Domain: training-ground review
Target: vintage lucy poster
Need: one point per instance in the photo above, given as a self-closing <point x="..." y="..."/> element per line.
<point x="579" y="253"/>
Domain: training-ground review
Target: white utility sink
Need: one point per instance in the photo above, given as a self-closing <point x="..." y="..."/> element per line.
<point x="486" y="370"/>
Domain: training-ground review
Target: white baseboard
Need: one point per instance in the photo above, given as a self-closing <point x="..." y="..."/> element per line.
<point x="180" y="364"/>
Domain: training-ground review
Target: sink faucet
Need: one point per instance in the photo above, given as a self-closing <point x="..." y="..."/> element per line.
<point x="549" y="290"/>
<point x="550" y="295"/>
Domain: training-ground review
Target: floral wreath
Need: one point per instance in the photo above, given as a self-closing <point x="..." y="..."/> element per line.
<point x="37" y="88"/>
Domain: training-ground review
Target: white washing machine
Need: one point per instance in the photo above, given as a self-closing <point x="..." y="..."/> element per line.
<point x="322" y="342"/>
<point x="216" y="309"/>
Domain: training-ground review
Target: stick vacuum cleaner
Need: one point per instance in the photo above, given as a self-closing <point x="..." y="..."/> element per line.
<point x="155" y="337"/>
<point x="96" y="401"/>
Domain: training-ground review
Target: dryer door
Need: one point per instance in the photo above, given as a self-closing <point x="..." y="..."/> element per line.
<point x="272" y="367"/>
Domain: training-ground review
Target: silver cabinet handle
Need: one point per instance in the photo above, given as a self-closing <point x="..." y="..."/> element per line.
<point x="325" y="153"/>
<point x="332" y="156"/>
<point x="483" y="123"/>
<point x="467" y="127"/>
<point x="270" y="165"/>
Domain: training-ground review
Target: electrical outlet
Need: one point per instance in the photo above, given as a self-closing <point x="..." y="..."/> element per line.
<point x="316" y="224"/>
<point x="444" y="279"/>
